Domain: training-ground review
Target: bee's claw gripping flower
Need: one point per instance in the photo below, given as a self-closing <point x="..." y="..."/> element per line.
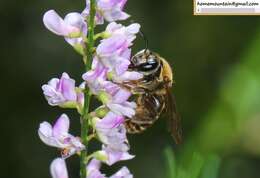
<point x="60" y="92"/>
<point x="58" y="136"/>
<point x="58" y="168"/>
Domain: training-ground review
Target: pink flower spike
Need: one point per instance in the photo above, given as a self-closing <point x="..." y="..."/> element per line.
<point x="58" y="168"/>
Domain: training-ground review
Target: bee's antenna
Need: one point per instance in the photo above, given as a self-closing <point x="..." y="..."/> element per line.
<point x="143" y="36"/>
<point x="145" y="39"/>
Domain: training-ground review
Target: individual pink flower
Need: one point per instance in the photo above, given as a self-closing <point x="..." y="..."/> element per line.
<point x="114" y="97"/>
<point x="60" y="92"/>
<point x="110" y="10"/>
<point x="99" y="73"/>
<point x="117" y="102"/>
<point x="72" y="27"/>
<point x="95" y="77"/>
<point x="58" y="168"/>
<point x="129" y="32"/>
<point x="114" y="54"/>
<point x="58" y="136"/>
<point x="114" y="156"/>
<point x="111" y="131"/>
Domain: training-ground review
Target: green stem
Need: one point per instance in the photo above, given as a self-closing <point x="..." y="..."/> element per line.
<point x="88" y="57"/>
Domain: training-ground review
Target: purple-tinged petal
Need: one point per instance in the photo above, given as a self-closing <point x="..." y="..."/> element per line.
<point x="121" y="96"/>
<point x="60" y="91"/>
<point x="112" y="27"/>
<point x="129" y="32"/>
<point x="45" y="134"/>
<point x="112" y="132"/>
<point x="94" y="164"/>
<point x="56" y="24"/>
<point x="126" y="54"/>
<point x="110" y="87"/>
<point x="58" y="136"/>
<point x="75" y="19"/>
<point x="58" y="169"/>
<point x="61" y="126"/>
<point x="122" y="4"/>
<point x="111" y="45"/>
<point x="122" y="173"/>
<point x="98" y="71"/>
<point x="121" y="65"/>
<point x="110" y="121"/>
<point x="115" y="155"/>
<point x="68" y="87"/>
<point x="115" y="14"/>
<point x="95" y="174"/>
<point x="127" y="76"/>
<point x="121" y="109"/>
<point x="93" y="169"/>
<point x="133" y="28"/>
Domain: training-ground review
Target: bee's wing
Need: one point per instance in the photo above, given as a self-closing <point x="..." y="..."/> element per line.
<point x="174" y="120"/>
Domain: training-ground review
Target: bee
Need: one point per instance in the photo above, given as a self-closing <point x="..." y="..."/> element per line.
<point x="153" y="94"/>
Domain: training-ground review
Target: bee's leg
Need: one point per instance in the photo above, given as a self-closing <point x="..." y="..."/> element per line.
<point x="132" y="87"/>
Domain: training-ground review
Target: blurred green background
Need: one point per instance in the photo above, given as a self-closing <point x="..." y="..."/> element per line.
<point x="216" y="63"/>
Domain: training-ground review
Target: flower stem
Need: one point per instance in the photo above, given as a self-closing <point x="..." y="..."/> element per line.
<point x="85" y="116"/>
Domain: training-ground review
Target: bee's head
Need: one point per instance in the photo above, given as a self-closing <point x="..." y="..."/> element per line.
<point x="145" y="62"/>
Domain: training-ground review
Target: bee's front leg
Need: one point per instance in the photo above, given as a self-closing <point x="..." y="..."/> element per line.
<point x="132" y="87"/>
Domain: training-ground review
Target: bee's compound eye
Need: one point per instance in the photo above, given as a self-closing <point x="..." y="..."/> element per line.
<point x="150" y="65"/>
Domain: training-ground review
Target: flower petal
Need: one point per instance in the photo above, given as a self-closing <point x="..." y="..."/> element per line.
<point x="111" y="120"/>
<point x="93" y="169"/>
<point x="121" y="96"/>
<point x="45" y="134"/>
<point x="121" y="110"/>
<point x="68" y="87"/>
<point x="58" y="169"/>
<point x="56" y="24"/>
<point x="115" y="155"/>
<point x="122" y="173"/>
<point x="61" y="127"/>
<point x="133" y="28"/>
<point x="127" y="76"/>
